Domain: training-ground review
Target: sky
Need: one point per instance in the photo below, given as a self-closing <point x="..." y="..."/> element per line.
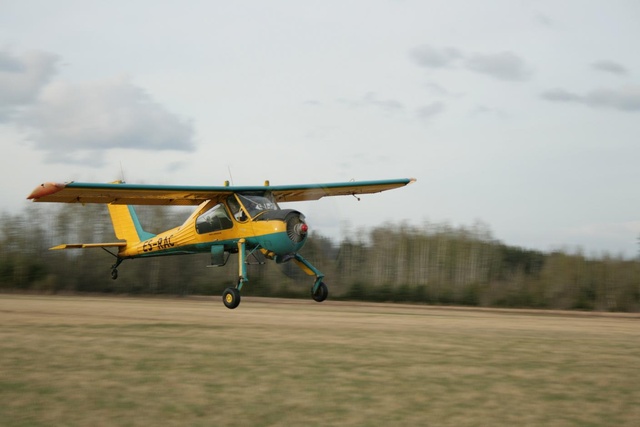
<point x="523" y="116"/>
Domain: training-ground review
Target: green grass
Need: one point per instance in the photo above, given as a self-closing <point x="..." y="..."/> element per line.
<point x="191" y="362"/>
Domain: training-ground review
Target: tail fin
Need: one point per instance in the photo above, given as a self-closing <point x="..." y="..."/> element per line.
<point x="126" y="224"/>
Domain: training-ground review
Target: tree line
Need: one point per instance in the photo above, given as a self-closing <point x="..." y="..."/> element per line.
<point x="430" y="263"/>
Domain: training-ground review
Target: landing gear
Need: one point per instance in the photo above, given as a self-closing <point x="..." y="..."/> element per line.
<point x="319" y="292"/>
<point x="231" y="298"/>
<point x="231" y="295"/>
<point x="114" y="268"/>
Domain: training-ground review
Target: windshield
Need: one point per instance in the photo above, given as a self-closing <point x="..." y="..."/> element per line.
<point x="257" y="204"/>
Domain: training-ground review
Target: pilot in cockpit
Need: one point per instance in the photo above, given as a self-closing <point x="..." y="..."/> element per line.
<point x="238" y="212"/>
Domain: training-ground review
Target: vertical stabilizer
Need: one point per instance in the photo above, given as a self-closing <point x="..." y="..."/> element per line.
<point x="126" y="224"/>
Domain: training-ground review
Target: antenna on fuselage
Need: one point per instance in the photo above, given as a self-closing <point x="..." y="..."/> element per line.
<point x="230" y="176"/>
<point x="122" y="173"/>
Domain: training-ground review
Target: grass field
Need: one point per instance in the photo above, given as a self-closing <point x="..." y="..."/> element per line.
<point x="192" y="362"/>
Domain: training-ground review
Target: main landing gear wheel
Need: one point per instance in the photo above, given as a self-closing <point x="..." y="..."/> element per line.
<point x="114" y="274"/>
<point x="231" y="298"/>
<point x="321" y="293"/>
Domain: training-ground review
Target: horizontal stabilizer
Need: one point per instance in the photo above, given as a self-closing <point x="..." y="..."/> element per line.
<point x="89" y="245"/>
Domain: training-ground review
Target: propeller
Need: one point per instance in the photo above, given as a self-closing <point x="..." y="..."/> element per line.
<point x="296" y="227"/>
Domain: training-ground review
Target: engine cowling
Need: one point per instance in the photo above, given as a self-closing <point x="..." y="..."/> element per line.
<point x="295" y="231"/>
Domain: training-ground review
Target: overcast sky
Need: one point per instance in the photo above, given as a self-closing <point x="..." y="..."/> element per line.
<point x="523" y="115"/>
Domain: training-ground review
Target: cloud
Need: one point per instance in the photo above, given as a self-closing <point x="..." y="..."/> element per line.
<point x="483" y="110"/>
<point x="426" y="112"/>
<point x="22" y="77"/>
<point x="370" y="99"/>
<point x="432" y="57"/>
<point x="561" y="95"/>
<point x="503" y="66"/>
<point x="624" y="99"/>
<point x="386" y="104"/>
<point x="544" y="20"/>
<point x="77" y="122"/>
<point x="609" y="67"/>
<point x="437" y="90"/>
<point x="177" y="166"/>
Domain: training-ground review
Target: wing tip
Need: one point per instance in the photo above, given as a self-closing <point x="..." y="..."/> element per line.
<point x="45" y="189"/>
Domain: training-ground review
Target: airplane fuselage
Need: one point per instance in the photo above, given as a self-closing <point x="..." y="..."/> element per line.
<point x="278" y="232"/>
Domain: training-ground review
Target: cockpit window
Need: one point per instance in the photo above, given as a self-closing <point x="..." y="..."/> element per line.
<point x="236" y="210"/>
<point x="257" y="204"/>
<point x="214" y="219"/>
<point x="251" y="205"/>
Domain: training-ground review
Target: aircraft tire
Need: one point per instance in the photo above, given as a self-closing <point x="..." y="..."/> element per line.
<point x="321" y="293"/>
<point x="231" y="298"/>
<point x="114" y="274"/>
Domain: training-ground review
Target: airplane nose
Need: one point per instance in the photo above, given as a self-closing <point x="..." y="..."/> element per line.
<point x="289" y="231"/>
<point x="296" y="227"/>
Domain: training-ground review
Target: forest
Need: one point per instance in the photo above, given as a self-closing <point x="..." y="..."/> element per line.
<point x="428" y="263"/>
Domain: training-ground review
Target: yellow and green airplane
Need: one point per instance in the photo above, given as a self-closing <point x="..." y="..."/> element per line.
<point x="228" y="219"/>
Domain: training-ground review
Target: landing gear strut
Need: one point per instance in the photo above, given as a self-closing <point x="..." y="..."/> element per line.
<point x="231" y="296"/>
<point x="114" y="268"/>
<point x="319" y="291"/>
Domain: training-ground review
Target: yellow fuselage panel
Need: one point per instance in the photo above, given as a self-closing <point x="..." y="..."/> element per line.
<point x="185" y="238"/>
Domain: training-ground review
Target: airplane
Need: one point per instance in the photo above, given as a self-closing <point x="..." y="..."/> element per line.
<point x="243" y="220"/>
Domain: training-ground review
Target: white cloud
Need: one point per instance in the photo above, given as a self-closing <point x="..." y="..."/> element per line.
<point x="75" y="122"/>
<point x="561" y="95"/>
<point x="502" y="66"/>
<point x="22" y="77"/>
<point x="386" y="104"/>
<point x="432" y="57"/>
<point x="544" y="20"/>
<point x="370" y="99"/>
<point x="624" y="99"/>
<point x="609" y="67"/>
<point x="426" y="112"/>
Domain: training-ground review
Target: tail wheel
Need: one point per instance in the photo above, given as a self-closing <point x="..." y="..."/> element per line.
<point x="231" y="298"/>
<point x="321" y="293"/>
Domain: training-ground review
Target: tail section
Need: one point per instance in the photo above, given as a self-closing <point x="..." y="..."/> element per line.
<point x="126" y="224"/>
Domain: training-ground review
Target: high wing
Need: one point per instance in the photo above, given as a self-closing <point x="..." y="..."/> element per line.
<point x="178" y="195"/>
<point x="298" y="193"/>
